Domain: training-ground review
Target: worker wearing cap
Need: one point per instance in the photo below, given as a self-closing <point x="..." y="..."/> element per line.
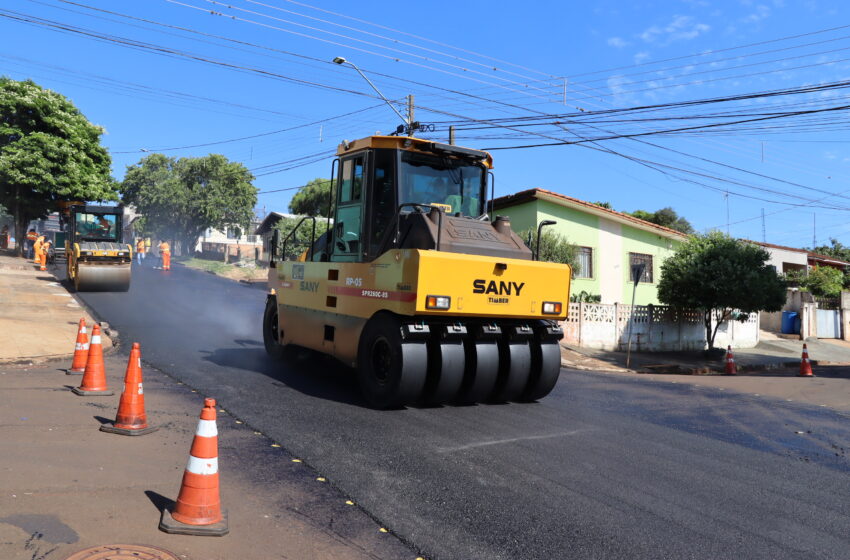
<point x="165" y="253"/>
<point x="31" y="237"/>
<point x="36" y="248"/>
<point x="140" y="251"/>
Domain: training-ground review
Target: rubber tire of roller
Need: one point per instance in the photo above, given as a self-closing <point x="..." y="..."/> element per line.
<point x="481" y="372"/>
<point x="514" y="368"/>
<point x="545" y="369"/>
<point x="273" y="348"/>
<point x="445" y="372"/>
<point x="403" y="373"/>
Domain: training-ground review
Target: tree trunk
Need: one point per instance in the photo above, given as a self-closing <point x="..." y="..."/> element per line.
<point x="709" y="339"/>
<point x="20" y="224"/>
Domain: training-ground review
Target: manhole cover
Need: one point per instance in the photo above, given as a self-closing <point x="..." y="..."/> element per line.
<point x="123" y="552"/>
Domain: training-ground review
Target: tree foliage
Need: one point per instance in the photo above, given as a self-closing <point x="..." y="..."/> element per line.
<point x="718" y="274"/>
<point x="180" y="198"/>
<point x="666" y="217"/>
<point x="603" y="205"/>
<point x="49" y="152"/>
<point x="821" y="281"/>
<point x="313" y="199"/>
<point x="835" y="249"/>
<point x="553" y="247"/>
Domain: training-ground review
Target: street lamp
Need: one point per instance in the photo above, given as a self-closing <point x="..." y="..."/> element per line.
<point x="340" y="60"/>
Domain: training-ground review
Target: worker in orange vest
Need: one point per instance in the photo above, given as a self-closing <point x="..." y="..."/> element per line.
<point x="45" y="249"/>
<point x="165" y="254"/>
<point x="140" y="251"/>
<point x="31" y="237"/>
<point x="36" y="247"/>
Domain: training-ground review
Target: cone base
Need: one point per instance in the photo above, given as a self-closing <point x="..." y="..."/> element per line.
<point x="125" y="432"/>
<point x="805" y="375"/>
<point x="170" y="525"/>
<point x="84" y="393"/>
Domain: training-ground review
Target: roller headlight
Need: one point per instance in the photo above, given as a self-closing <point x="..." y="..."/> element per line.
<point x="552" y="307"/>
<point x="438" y="302"/>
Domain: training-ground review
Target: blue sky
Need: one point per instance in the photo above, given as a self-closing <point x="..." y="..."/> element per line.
<point x="481" y="61"/>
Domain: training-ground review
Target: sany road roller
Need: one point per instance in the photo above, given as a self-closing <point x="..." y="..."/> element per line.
<point x="415" y="285"/>
<point x="98" y="260"/>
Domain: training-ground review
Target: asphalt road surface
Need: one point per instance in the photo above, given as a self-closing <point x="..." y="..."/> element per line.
<point x="605" y="467"/>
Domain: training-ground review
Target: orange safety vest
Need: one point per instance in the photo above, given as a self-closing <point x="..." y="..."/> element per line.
<point x="164" y="247"/>
<point x="32" y="236"/>
<point x="140" y="246"/>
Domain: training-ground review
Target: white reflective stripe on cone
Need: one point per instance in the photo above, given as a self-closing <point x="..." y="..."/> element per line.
<point x="79" y="346"/>
<point x="141" y="390"/>
<point x="202" y="466"/>
<point x="206" y="428"/>
<point x="95" y="339"/>
<point x="83" y="330"/>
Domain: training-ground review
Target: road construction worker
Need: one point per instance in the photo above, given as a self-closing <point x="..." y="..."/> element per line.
<point x="36" y="248"/>
<point x="165" y="254"/>
<point x="45" y="249"/>
<point x="31" y="237"/>
<point x="140" y="251"/>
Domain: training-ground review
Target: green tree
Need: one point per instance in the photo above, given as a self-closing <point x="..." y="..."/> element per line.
<point x="49" y="152"/>
<point x="603" y="205"/>
<point x="553" y="247"/>
<point x="835" y="249"/>
<point x="823" y="281"/>
<point x="666" y="217"/>
<point x="312" y="199"/>
<point x="718" y="274"/>
<point x="180" y="198"/>
<point x="300" y="240"/>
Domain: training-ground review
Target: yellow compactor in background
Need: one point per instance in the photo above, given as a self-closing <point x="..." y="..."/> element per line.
<point x="98" y="259"/>
<point x="415" y="286"/>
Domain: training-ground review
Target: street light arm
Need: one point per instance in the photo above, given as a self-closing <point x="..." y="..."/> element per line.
<point x="387" y="101"/>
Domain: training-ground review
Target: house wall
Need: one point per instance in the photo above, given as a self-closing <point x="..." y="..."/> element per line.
<point x="779" y="258"/>
<point x="611" y="243"/>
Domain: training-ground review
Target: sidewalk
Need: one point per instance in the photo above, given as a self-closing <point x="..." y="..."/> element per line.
<point x="770" y="369"/>
<point x="66" y="486"/>
<point x="38" y="317"/>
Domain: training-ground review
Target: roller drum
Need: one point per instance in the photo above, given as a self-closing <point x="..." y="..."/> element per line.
<point x="102" y="277"/>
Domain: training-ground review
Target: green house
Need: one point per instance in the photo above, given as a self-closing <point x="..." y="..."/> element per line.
<point x="609" y="242"/>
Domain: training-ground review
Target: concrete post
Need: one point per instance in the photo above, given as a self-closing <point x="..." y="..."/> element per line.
<point x="616" y="326"/>
<point x="580" y="323"/>
<point x="845" y="315"/>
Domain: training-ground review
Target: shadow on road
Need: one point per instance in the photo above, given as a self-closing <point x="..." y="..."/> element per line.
<point x="305" y="371"/>
<point x="158" y="500"/>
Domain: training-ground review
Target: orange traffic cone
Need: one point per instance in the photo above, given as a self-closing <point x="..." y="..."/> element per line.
<point x="94" y="378"/>
<point x="805" y="364"/>
<point x="731" y="368"/>
<point x="81" y="351"/>
<point x="131" y="419"/>
<point x="198" y="507"/>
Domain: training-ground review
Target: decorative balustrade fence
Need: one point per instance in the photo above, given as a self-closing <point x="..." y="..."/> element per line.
<point x="655" y="328"/>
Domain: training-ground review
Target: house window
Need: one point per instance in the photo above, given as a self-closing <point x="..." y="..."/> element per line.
<point x="641" y="258"/>
<point x="585" y="262"/>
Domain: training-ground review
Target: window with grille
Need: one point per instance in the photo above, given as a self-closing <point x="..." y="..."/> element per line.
<point x="584" y="257"/>
<point x="641" y="258"/>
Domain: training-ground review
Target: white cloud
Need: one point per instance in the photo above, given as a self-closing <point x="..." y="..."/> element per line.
<point x="617" y="42"/>
<point x="641" y="57"/>
<point x="761" y="13"/>
<point x="680" y="28"/>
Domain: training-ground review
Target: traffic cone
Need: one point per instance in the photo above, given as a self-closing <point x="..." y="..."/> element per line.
<point x="94" y="378"/>
<point x="198" y="507"/>
<point x="131" y="419"/>
<point x="731" y="368"/>
<point x="81" y="351"/>
<point x="805" y="364"/>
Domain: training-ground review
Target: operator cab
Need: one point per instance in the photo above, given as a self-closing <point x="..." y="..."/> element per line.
<point x="382" y="180"/>
<point x="100" y="224"/>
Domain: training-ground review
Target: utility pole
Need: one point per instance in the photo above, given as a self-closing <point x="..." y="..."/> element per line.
<point x="565" y="91"/>
<point x="452" y="135"/>
<point x="321" y="130"/>
<point x="763" y="234"/>
<point x="410" y="115"/>
<point x="814" y="230"/>
<point x="726" y="195"/>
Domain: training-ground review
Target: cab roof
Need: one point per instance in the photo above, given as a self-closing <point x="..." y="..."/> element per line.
<point x="414" y="145"/>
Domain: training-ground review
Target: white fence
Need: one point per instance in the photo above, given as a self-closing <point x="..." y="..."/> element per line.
<point x="655" y="328"/>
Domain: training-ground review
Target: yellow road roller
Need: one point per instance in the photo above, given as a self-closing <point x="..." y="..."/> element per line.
<point x="98" y="260"/>
<point x="416" y="285"/>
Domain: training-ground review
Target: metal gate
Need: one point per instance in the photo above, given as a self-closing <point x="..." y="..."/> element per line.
<point x="828" y="318"/>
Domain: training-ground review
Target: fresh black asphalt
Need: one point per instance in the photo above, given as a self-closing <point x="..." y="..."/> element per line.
<point x="605" y="467"/>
